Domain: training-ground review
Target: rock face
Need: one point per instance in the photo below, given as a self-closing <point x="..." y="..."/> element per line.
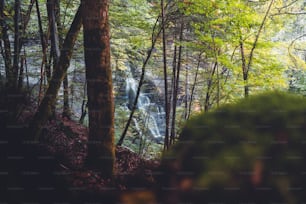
<point x="253" y="151"/>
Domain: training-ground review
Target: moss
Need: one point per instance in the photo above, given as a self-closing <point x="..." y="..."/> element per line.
<point x="243" y="152"/>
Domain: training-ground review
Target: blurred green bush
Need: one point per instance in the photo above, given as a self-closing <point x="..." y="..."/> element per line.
<point x="252" y="151"/>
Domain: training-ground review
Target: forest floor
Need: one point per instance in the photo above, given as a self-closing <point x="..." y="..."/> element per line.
<point x="53" y="170"/>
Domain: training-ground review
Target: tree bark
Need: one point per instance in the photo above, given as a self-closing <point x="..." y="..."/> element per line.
<point x="21" y="73"/>
<point x="194" y="85"/>
<point x="44" y="51"/>
<point x="209" y="87"/>
<point x="244" y="70"/>
<point x="167" y="110"/>
<point x="16" y="42"/>
<point x="24" y="18"/>
<point x="101" y="151"/>
<point x="27" y="15"/>
<point x="176" y="86"/>
<point x="55" y="43"/>
<point x="53" y="8"/>
<point x="7" y="47"/>
<point x="186" y="93"/>
<point x="44" y="110"/>
<point x="66" y="108"/>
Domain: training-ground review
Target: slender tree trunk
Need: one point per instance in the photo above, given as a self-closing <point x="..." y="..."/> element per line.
<point x="7" y="47"/>
<point x="26" y="17"/>
<point x="59" y="30"/>
<point x="218" y="86"/>
<point x="244" y="70"/>
<point x="84" y="105"/>
<point x="258" y="35"/>
<point x="44" y="110"/>
<point x="143" y="69"/>
<point x="16" y="42"/>
<point x="53" y="7"/>
<point x="55" y="43"/>
<point x="44" y="50"/>
<point x="12" y="71"/>
<point x="174" y="68"/>
<point x="176" y="86"/>
<point x="26" y="68"/>
<point x="173" y="90"/>
<point x="216" y="53"/>
<point x="167" y="110"/>
<point x="54" y="37"/>
<point x="194" y="85"/>
<point x="209" y="88"/>
<point x="186" y="93"/>
<point x="246" y="66"/>
<point x="66" y="108"/>
<point x="84" y="111"/>
<point x="21" y="73"/>
<point x="101" y="151"/>
<point x="24" y="20"/>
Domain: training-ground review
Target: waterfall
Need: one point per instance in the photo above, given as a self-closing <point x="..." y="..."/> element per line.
<point x="131" y="91"/>
<point x="137" y="126"/>
<point x="150" y="112"/>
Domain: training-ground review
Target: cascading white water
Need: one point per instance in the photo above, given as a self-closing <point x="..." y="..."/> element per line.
<point x="150" y="112"/>
<point x="137" y="126"/>
<point x="152" y="126"/>
<point x="131" y="91"/>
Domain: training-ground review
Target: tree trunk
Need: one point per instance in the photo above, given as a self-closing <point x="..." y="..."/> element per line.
<point x="27" y="15"/>
<point x="246" y="67"/>
<point x="84" y="111"/>
<point x="209" y="88"/>
<point x="141" y="80"/>
<point x="194" y="85"/>
<point x="66" y="109"/>
<point x="66" y="105"/>
<point x="16" y="41"/>
<point x="55" y="43"/>
<point x="44" y="110"/>
<point x="173" y="98"/>
<point x="7" y="47"/>
<point x="44" y="51"/>
<point x="21" y="73"/>
<point x="176" y="85"/>
<point x="167" y="110"/>
<point x="244" y="70"/>
<point x="101" y="151"/>
<point x="186" y="93"/>
<point x="53" y="7"/>
<point x="24" y="18"/>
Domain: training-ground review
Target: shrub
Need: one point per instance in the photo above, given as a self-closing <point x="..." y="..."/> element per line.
<point x="252" y="151"/>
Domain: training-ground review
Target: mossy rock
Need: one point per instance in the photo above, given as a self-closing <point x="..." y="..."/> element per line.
<point x="253" y="151"/>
